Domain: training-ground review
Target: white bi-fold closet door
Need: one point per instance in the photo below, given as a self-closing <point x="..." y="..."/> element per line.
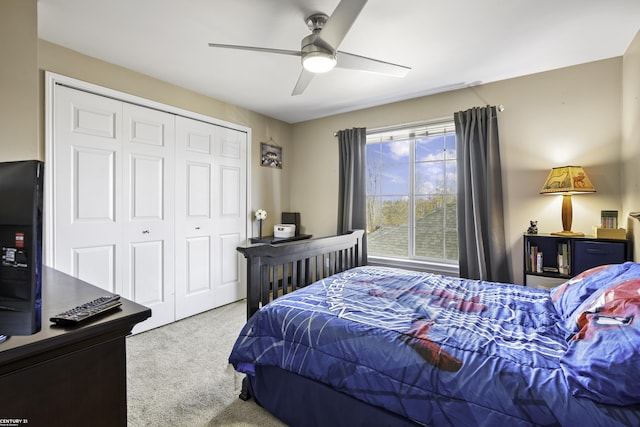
<point x="147" y="204"/>
<point x="210" y="215"/>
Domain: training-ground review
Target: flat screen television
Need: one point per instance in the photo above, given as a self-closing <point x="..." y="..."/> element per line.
<point x="21" y="193"/>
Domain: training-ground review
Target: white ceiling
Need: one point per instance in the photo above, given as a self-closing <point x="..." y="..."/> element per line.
<point x="449" y="44"/>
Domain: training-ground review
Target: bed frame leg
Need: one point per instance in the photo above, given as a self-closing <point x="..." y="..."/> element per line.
<point x="244" y="392"/>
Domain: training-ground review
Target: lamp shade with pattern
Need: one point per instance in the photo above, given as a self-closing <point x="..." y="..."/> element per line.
<point x="567" y="180"/>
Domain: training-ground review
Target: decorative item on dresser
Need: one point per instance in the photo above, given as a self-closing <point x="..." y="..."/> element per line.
<point x="261" y="215"/>
<point x="284" y="231"/>
<point x="292" y="218"/>
<point x="287" y="231"/>
<point x="609" y="226"/>
<point x="387" y="346"/>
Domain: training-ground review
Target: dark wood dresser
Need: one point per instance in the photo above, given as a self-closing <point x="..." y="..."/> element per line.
<point x="68" y="376"/>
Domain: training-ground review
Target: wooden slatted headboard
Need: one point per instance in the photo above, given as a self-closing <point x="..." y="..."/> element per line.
<point x="633" y="233"/>
<point x="281" y="268"/>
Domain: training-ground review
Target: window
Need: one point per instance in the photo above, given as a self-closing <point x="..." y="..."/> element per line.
<point x="411" y="194"/>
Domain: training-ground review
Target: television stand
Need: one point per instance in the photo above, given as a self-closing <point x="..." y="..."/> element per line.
<point x="69" y="376"/>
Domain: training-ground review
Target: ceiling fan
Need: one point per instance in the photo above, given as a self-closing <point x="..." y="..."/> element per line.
<point x="319" y="51"/>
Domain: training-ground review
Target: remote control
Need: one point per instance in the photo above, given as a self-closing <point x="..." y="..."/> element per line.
<point x="87" y="311"/>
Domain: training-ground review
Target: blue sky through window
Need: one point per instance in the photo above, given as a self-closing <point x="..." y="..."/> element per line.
<point x="411" y="191"/>
<point x="435" y="166"/>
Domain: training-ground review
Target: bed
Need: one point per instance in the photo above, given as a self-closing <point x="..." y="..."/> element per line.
<point x="366" y="345"/>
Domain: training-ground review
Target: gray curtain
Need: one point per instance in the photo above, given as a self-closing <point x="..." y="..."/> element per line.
<point x="481" y="237"/>
<point x="352" y="190"/>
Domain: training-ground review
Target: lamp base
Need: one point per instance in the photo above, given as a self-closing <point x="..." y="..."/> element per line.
<point x="568" y="233"/>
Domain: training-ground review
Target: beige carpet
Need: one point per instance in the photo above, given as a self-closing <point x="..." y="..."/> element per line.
<point x="178" y="375"/>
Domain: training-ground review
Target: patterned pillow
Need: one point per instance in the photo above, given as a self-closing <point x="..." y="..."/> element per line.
<point x="571" y="294"/>
<point x="602" y="361"/>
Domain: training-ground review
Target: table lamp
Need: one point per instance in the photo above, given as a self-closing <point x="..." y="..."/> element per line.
<point x="567" y="180"/>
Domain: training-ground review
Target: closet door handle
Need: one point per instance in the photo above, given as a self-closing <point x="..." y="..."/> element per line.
<point x="145" y="231"/>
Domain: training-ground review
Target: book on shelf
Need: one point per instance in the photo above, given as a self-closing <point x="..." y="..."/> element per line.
<point x="564" y="257"/>
<point x="532" y="258"/>
<point x="539" y="262"/>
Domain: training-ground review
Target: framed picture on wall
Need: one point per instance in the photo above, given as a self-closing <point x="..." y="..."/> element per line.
<point x="270" y="156"/>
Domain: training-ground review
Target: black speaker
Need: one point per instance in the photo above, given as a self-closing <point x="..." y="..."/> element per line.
<point x="21" y="194"/>
<point x="292" y="218"/>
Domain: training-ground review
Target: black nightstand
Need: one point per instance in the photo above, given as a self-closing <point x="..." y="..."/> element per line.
<point x="578" y="254"/>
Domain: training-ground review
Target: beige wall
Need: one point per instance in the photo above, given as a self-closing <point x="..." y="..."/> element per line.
<point x="19" y="81"/>
<point x="567" y="116"/>
<point x="631" y="132"/>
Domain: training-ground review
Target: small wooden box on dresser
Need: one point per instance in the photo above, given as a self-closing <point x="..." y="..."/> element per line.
<point x="549" y="260"/>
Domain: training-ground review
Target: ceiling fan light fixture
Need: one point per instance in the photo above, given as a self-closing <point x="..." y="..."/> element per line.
<point x="318" y="62"/>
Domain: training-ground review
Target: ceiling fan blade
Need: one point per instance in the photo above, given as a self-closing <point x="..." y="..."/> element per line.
<point x="340" y="21"/>
<point x="257" y="49"/>
<point x="303" y="82"/>
<point x="362" y="63"/>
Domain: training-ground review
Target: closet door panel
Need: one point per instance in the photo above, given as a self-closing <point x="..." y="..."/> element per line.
<point x="93" y="191"/>
<point x="147" y="187"/>
<point x="230" y="191"/>
<point x="95" y="265"/>
<point x="87" y="214"/>
<point x="198" y="260"/>
<point x="147" y="198"/>
<point x="198" y="256"/>
<point x="147" y="262"/>
<point x="230" y="271"/>
<point x="195" y="233"/>
<point x="198" y="190"/>
<point x="229" y="213"/>
<point x="90" y="117"/>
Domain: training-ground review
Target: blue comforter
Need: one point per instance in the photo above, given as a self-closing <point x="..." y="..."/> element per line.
<point x="434" y="349"/>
